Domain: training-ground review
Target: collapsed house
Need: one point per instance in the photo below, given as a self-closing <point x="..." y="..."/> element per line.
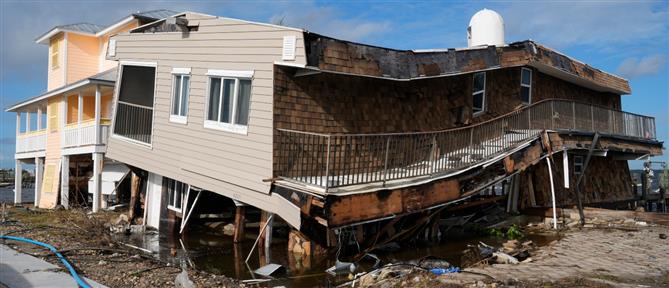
<point x="328" y="134"/>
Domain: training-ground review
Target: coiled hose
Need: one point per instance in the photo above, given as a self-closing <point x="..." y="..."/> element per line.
<point x="67" y="265"/>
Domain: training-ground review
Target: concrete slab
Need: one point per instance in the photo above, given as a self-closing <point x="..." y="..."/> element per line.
<point x="18" y="270"/>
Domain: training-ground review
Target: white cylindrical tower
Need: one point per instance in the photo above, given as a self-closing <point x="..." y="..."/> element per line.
<point x="485" y="28"/>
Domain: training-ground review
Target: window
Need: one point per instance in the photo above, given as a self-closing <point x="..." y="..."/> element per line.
<point x="133" y="119"/>
<point x="526" y="85"/>
<point x="228" y="102"/>
<point x="180" y="91"/>
<point x="578" y="165"/>
<point x="177" y="191"/>
<point x="55" y="54"/>
<point x="478" y="93"/>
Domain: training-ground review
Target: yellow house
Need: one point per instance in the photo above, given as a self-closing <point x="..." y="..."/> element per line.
<point x="64" y="130"/>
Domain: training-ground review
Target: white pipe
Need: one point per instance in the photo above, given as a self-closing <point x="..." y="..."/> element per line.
<point x="550" y="174"/>
<point x="183" y="225"/>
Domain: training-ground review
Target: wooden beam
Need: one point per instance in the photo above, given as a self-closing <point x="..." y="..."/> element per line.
<point x="240" y="213"/>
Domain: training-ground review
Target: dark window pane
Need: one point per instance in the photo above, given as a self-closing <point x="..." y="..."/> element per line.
<point x="228" y="92"/>
<point x="175" y="96"/>
<point x="478" y="102"/>
<point x="479" y="82"/>
<point x="525" y="94"/>
<point x="137" y="84"/>
<point x="243" y="100"/>
<point x="526" y="77"/>
<point x="184" y="96"/>
<point x="214" y="98"/>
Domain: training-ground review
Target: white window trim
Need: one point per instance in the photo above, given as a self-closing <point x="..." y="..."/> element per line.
<point x="218" y="125"/>
<point x="117" y="92"/>
<point x="526" y="85"/>
<point x="173" y="190"/>
<point x="231" y="73"/>
<point x="483" y="104"/>
<point x="179" y="72"/>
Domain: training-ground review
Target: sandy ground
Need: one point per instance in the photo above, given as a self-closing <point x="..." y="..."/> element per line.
<point x="87" y="243"/>
<point x="590" y="257"/>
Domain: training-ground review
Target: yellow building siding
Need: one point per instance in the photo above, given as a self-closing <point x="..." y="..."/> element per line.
<point x="55" y="73"/>
<point x="82" y="57"/>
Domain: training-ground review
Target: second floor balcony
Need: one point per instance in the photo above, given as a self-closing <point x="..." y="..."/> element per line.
<point x="329" y="161"/>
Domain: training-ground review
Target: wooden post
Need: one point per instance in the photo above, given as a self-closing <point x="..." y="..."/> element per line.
<point x="265" y="238"/>
<point x="240" y="212"/>
<point x="134" y="193"/>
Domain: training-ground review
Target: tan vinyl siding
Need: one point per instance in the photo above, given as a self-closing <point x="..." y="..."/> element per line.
<point x="234" y="165"/>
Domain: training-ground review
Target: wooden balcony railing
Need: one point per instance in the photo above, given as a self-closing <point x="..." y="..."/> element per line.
<point x="335" y="160"/>
<point x="83" y="134"/>
<point x="134" y="122"/>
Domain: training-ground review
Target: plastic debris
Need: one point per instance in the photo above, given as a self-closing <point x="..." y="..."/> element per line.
<point x="442" y="271"/>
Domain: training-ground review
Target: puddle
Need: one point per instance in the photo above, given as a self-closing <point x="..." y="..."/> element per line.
<point x="217" y="254"/>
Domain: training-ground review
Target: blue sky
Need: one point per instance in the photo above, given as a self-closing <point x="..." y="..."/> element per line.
<point x="630" y="39"/>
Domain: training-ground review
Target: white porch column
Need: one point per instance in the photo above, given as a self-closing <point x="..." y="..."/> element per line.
<point x="39" y="118"/>
<point x="18" y="182"/>
<point x="65" y="181"/>
<point x="80" y="116"/>
<point x="19" y="145"/>
<point x="98" y="104"/>
<point x="97" y="180"/>
<point x="27" y="121"/>
<point x="39" y="174"/>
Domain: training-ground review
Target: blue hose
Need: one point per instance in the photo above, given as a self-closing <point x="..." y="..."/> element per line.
<point x="69" y="267"/>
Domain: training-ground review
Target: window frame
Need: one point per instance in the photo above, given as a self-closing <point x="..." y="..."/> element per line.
<point x="181" y="73"/>
<point x="579" y="163"/>
<point x="55" y="54"/>
<point x="172" y="190"/>
<point x="223" y="75"/>
<point x="482" y="91"/>
<point x="529" y="86"/>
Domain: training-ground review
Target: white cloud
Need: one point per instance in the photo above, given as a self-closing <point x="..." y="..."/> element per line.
<point x="588" y="23"/>
<point x="633" y="67"/>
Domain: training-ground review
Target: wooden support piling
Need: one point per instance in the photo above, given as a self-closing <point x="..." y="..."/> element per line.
<point x="240" y="219"/>
<point x="134" y="193"/>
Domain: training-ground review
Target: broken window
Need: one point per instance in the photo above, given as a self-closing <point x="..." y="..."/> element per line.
<point x="478" y="93"/>
<point x="180" y="93"/>
<point x="228" y="103"/>
<point x="578" y="165"/>
<point x="526" y="85"/>
<point x="134" y="110"/>
<point x="176" y="191"/>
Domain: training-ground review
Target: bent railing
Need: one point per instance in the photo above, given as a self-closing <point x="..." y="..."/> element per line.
<point x="335" y="160"/>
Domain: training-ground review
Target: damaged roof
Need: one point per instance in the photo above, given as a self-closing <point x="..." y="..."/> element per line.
<point x="334" y="55"/>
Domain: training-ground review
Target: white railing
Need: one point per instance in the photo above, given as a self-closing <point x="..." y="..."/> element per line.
<point x="84" y="134"/>
<point x="31" y="142"/>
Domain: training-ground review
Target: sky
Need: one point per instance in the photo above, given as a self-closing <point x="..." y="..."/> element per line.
<point x="630" y="39"/>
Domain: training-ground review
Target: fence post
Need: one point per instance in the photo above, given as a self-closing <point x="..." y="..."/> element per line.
<point x="327" y="166"/>
<point x="385" y="162"/>
<point x="552" y="115"/>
